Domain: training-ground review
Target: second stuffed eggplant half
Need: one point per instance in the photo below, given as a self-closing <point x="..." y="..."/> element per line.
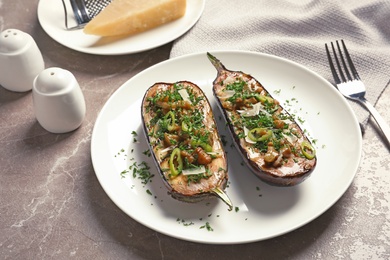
<point x="271" y="142"/>
<point x="182" y="134"/>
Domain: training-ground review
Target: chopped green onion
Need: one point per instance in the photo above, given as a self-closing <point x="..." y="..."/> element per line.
<point x="186" y="126"/>
<point x="169" y="118"/>
<point x="195" y="143"/>
<point x="308" y="150"/>
<point x="175" y="162"/>
<point x="259" y="134"/>
<point x="263" y="98"/>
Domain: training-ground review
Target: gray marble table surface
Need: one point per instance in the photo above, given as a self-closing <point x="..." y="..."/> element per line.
<point x="53" y="207"/>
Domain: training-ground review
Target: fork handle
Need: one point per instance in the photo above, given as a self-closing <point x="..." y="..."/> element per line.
<point x="378" y="118"/>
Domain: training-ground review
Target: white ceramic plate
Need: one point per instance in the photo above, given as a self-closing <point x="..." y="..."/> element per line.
<point x="263" y="211"/>
<point x="52" y="19"/>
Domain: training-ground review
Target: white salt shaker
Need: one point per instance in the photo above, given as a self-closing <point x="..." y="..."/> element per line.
<point x="59" y="103"/>
<point x="20" y="60"/>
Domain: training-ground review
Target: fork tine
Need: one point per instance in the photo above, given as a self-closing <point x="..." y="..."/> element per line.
<point x="346" y="70"/>
<point x="351" y="65"/>
<point x="338" y="63"/>
<point x="332" y="68"/>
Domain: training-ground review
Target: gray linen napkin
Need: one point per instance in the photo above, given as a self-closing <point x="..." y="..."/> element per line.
<point x="298" y="30"/>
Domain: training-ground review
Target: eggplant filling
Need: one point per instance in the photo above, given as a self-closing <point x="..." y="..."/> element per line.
<point x="261" y="123"/>
<point x="182" y="137"/>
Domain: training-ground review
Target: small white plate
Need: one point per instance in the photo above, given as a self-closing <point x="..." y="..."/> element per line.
<point x="52" y="19"/>
<point x="263" y="211"/>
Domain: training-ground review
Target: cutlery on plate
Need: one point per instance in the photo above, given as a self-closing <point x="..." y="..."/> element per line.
<point x="83" y="11"/>
<point x="349" y="84"/>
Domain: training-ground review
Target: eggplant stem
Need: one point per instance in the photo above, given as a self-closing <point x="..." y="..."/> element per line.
<point x="216" y="63"/>
<point x="223" y="196"/>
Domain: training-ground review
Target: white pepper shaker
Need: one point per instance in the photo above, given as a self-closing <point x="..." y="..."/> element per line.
<point x="59" y="103"/>
<point x="20" y="60"/>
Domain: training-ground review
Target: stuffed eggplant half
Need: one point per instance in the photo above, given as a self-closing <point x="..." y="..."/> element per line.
<point x="271" y="142"/>
<point x="182" y="134"/>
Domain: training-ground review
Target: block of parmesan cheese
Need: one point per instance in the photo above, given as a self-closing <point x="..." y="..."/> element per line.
<point x="126" y="17"/>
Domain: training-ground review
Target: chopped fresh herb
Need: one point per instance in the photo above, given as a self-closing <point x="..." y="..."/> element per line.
<point x="142" y="171"/>
<point x="184" y="223"/>
<point x="134" y="134"/>
<point x="123" y="173"/>
<point x="277" y="92"/>
<point x="207" y="226"/>
<point x="147" y="153"/>
<point x="220" y="169"/>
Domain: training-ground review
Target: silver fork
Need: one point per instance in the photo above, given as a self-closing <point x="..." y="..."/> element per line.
<point x="349" y="84"/>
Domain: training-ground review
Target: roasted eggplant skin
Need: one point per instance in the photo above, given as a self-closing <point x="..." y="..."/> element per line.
<point x="183" y="127"/>
<point x="270" y="141"/>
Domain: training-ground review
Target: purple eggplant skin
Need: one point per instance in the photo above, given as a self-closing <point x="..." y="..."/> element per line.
<point x="169" y="125"/>
<point x="286" y="156"/>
